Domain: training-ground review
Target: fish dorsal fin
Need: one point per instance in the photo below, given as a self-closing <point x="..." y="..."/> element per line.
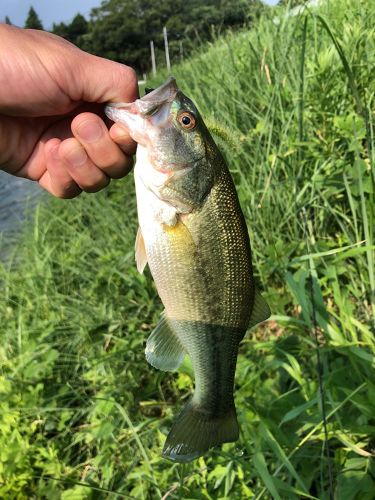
<point x="163" y="349"/>
<point x="261" y="310"/>
<point x="140" y="251"/>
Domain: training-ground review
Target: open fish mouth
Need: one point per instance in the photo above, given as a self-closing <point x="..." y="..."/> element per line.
<point x="146" y="105"/>
<point x="153" y="107"/>
<point x="150" y="102"/>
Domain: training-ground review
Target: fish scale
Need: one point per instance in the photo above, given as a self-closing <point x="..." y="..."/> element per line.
<point x="194" y="238"/>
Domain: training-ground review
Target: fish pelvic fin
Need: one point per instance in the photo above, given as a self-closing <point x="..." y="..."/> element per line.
<point x="261" y="310"/>
<point x="140" y="252"/>
<point x="194" y="432"/>
<point x="164" y="351"/>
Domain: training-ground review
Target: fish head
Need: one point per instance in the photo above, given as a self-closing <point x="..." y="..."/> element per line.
<point x="168" y="125"/>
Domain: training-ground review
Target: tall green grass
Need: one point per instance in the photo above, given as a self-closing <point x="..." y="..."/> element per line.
<point x="83" y="415"/>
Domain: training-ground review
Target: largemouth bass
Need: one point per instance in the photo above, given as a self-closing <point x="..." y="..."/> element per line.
<point x="193" y="235"/>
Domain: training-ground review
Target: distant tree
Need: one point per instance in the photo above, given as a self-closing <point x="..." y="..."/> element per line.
<point x="77" y="28"/>
<point x="33" y="21"/>
<point x="122" y="29"/>
<point x="60" y="29"/>
<point x="73" y="31"/>
<point x="7" y="20"/>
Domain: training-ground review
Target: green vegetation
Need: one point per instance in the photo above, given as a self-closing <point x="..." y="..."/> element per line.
<point x="32" y="20"/>
<point x="83" y="415"/>
<point x="122" y="29"/>
<point x="74" y="32"/>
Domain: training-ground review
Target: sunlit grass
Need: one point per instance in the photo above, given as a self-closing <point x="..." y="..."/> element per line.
<point x="291" y="105"/>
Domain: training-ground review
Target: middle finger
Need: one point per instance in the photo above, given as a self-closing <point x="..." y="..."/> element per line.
<point x="92" y="133"/>
<point x="88" y="176"/>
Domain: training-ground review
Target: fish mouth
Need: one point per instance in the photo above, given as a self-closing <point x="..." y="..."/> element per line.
<point x="146" y="105"/>
<point x="135" y="115"/>
<point x="152" y="101"/>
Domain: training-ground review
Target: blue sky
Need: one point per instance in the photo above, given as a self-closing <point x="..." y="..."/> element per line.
<point x="48" y="11"/>
<point x="52" y="11"/>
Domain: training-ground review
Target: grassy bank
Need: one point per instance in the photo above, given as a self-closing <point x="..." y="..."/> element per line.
<point x="83" y="415"/>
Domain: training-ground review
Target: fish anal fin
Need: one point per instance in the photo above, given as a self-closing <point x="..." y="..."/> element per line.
<point x="261" y="310"/>
<point x="163" y="349"/>
<point x="140" y="251"/>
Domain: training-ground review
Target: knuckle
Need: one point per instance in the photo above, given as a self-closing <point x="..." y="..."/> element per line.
<point x="127" y="78"/>
<point x="119" y="168"/>
<point x="67" y="191"/>
<point x="67" y="146"/>
<point x="129" y="75"/>
<point x="97" y="186"/>
<point x="67" y="196"/>
<point x="107" y="158"/>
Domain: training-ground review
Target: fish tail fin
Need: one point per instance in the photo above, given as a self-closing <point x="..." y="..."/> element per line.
<point x="195" y="431"/>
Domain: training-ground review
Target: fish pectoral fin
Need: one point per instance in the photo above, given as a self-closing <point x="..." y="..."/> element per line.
<point x="140" y="251"/>
<point x="163" y="349"/>
<point x="261" y="310"/>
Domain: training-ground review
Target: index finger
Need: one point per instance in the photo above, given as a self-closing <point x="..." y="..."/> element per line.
<point x="107" y="81"/>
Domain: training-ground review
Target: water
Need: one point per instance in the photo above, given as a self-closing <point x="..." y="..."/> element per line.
<point x="17" y="200"/>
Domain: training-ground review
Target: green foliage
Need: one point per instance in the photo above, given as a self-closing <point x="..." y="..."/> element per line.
<point x="291" y="3"/>
<point x="122" y="29"/>
<point x="84" y="416"/>
<point x="32" y="20"/>
<point x="74" y="32"/>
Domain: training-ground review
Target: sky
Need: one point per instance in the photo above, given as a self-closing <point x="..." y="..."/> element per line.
<point x="47" y="10"/>
<point x="52" y="11"/>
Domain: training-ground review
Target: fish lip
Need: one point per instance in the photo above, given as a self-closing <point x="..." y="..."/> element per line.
<point x="149" y="103"/>
<point x="166" y="91"/>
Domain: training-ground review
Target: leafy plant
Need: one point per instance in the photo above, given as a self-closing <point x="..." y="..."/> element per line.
<point x="84" y="416"/>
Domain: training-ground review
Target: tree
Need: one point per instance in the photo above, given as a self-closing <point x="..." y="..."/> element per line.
<point x="122" y="29"/>
<point x="7" y="20"/>
<point x="74" y="31"/>
<point x="33" y="20"/>
<point x="77" y="28"/>
<point x="60" y="29"/>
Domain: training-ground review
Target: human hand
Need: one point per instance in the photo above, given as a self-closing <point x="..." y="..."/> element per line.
<point x="52" y="125"/>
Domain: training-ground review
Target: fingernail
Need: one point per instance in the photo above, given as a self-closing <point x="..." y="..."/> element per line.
<point x="90" y="131"/>
<point x="77" y="157"/>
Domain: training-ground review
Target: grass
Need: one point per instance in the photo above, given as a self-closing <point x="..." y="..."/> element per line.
<point x="83" y="415"/>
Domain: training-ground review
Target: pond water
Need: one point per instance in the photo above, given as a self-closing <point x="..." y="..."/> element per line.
<point x="17" y="200"/>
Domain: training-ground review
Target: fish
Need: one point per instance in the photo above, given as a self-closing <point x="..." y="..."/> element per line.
<point x="193" y="236"/>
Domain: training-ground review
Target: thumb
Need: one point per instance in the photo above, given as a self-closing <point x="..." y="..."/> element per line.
<point x="102" y="80"/>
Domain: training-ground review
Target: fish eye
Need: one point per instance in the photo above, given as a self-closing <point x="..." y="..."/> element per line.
<point x="187" y="120"/>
